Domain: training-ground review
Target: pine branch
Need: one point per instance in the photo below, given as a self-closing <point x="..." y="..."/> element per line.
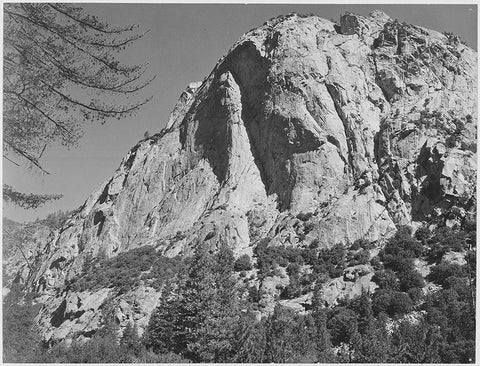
<point x="90" y="25"/>
<point x="112" y="45"/>
<point x="33" y="105"/>
<point x="67" y="40"/>
<point x="10" y="160"/>
<point x="27" y="200"/>
<point x="69" y="73"/>
<point x="98" y="109"/>
<point x="26" y="155"/>
<point x="49" y="48"/>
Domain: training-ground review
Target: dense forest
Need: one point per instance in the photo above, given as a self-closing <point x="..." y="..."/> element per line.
<point x="206" y="314"/>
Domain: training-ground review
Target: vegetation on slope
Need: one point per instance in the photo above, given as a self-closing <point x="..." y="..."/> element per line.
<point x="126" y="270"/>
<point x="206" y="315"/>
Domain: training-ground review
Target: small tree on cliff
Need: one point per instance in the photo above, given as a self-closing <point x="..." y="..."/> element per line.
<point x="60" y="69"/>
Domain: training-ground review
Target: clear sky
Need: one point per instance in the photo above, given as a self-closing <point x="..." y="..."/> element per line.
<point x="184" y="43"/>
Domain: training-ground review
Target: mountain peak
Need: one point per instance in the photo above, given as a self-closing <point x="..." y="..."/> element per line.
<point x="358" y="128"/>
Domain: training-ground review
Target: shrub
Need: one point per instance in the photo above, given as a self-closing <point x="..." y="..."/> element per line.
<point x="269" y="257"/>
<point x="343" y="326"/>
<point x="459" y="285"/>
<point x="304" y="216"/>
<point x="293" y="269"/>
<point x="243" y="263"/>
<point x="336" y="255"/>
<point x="320" y="268"/>
<point x="292" y="255"/>
<point x="416" y="294"/>
<point x="471" y="259"/>
<point x="253" y="294"/>
<point x="309" y="226"/>
<point x="376" y="262"/>
<point x="276" y="272"/>
<point x="386" y="280"/>
<point x="403" y="244"/>
<point x="381" y="301"/>
<point x="361" y="244"/>
<point x="282" y="262"/>
<point x="440" y="273"/>
<point x="400" y="304"/>
<point x="170" y="357"/>
<point x="362" y="257"/>
<point x="410" y="280"/>
<point x="445" y="240"/>
<point x="291" y="291"/>
<point x="397" y="262"/>
<point x="124" y="271"/>
<point x="335" y="272"/>
<point x="451" y="141"/>
<point x="459" y="125"/>
<point x="422" y="234"/>
<point x="393" y="303"/>
<point x="314" y="244"/>
<point x="400" y="250"/>
<point x="471" y="237"/>
<point x="306" y="281"/>
<point x="436" y="252"/>
<point x="309" y="256"/>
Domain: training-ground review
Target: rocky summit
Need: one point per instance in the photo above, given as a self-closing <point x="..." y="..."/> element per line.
<point x="308" y="133"/>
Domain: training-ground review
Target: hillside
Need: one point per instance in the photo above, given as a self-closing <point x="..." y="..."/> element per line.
<point x="320" y="152"/>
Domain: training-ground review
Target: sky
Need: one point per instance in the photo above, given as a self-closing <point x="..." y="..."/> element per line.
<point x="184" y="43"/>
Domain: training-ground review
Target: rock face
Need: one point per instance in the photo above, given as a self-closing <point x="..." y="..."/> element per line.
<point x="20" y="245"/>
<point x="366" y="124"/>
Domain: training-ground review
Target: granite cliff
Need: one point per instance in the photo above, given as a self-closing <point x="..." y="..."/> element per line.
<point x="357" y="127"/>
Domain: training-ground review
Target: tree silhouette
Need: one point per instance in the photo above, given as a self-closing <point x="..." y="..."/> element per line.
<point x="60" y="69"/>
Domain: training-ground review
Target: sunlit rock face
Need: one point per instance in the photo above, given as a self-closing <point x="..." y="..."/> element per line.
<point x="366" y="124"/>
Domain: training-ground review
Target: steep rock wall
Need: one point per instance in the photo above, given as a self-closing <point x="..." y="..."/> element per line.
<point x="366" y="124"/>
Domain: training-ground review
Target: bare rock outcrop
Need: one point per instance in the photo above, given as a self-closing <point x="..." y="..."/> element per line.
<point x="365" y="124"/>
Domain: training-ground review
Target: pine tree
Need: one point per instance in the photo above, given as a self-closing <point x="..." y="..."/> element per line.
<point x="197" y="296"/>
<point x="374" y="345"/>
<point x="198" y="316"/>
<point x="162" y="335"/>
<point x="322" y="335"/>
<point x="289" y="337"/>
<point x="102" y="348"/>
<point x="216" y="316"/>
<point x="130" y="342"/>
<point x="280" y="335"/>
<point x="228" y="305"/>
<point x="416" y="343"/>
<point x="362" y="306"/>
<point x="250" y="340"/>
<point x="21" y="339"/>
